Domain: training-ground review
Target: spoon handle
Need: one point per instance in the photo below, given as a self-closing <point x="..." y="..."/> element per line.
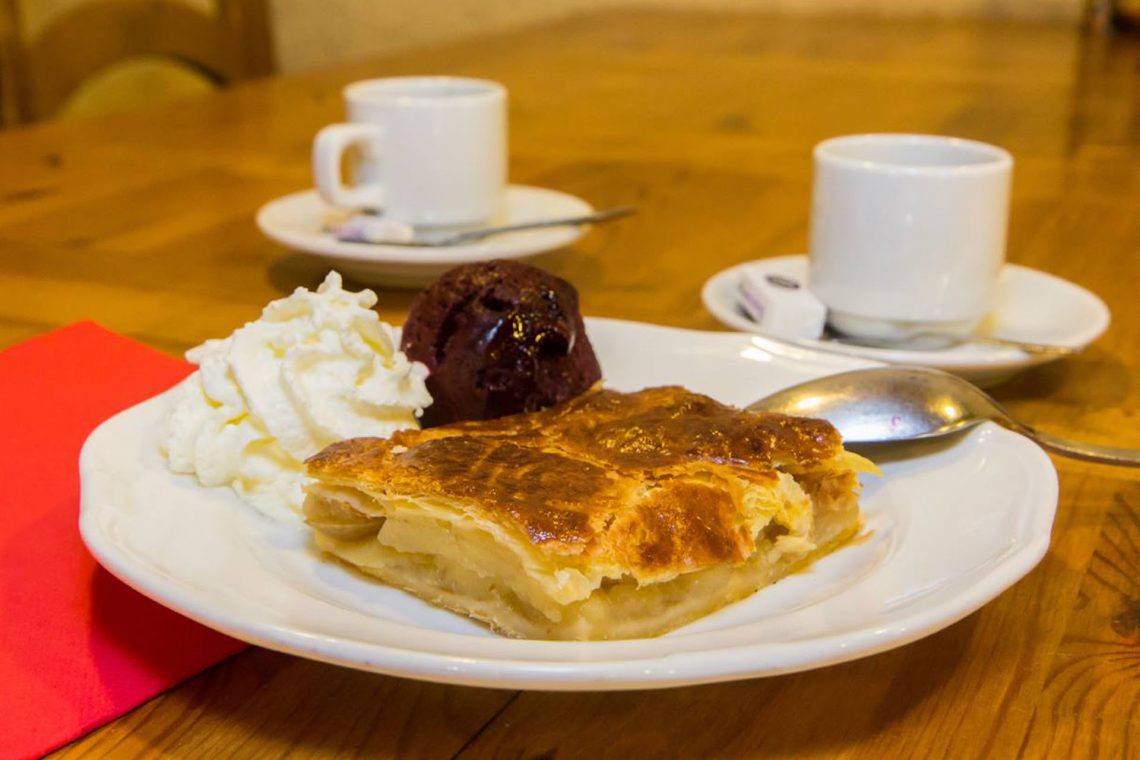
<point x="1041" y="349"/>
<point x="1089" y="452"/>
<point x="604" y="215"/>
<point x="928" y="341"/>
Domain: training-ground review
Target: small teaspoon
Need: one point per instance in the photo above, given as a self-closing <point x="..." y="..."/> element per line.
<point x="924" y="341"/>
<point x="379" y="231"/>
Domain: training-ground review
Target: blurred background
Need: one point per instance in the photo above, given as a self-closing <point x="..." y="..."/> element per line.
<point x="70" y="58"/>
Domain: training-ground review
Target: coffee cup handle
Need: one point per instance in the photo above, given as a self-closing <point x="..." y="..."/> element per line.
<point x="328" y="148"/>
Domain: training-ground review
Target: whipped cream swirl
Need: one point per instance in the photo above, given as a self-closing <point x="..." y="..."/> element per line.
<point x="316" y="368"/>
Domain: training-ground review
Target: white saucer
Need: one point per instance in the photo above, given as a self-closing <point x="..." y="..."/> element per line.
<point x="296" y="221"/>
<point x="1033" y="307"/>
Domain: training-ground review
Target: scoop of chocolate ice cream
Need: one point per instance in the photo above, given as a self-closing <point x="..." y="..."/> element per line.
<point x="500" y="338"/>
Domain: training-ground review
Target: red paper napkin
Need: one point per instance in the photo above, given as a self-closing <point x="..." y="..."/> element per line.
<point x="77" y="647"/>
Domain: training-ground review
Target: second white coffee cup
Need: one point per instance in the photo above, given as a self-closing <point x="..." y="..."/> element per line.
<point x="432" y="150"/>
<point x="908" y="232"/>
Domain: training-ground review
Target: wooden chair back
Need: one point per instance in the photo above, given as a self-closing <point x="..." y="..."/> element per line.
<point x="38" y="75"/>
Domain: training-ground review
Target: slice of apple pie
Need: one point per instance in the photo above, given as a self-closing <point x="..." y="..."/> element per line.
<point x="612" y="516"/>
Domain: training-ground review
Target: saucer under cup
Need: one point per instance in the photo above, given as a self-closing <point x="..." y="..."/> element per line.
<point x="298" y="221"/>
<point x="1032" y="306"/>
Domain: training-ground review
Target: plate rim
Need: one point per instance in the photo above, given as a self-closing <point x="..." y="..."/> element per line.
<point x="649" y="672"/>
<point x="998" y="358"/>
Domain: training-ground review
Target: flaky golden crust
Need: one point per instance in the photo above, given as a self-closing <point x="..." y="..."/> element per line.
<point x="648" y="481"/>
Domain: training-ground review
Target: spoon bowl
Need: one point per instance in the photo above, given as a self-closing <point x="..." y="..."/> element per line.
<point x="885" y="404"/>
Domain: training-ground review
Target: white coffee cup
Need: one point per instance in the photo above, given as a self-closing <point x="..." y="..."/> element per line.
<point x="432" y="150"/>
<point x="908" y="232"/>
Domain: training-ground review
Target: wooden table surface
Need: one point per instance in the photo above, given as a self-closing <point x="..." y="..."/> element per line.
<point x="144" y="222"/>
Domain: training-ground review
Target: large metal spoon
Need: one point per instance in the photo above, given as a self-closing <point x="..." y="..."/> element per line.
<point x="908" y="403"/>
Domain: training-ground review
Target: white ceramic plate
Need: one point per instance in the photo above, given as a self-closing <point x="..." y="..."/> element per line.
<point x="946" y="531"/>
<point x="297" y="221"/>
<point x="1033" y="307"/>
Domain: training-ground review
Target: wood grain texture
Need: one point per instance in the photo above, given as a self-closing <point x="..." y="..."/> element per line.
<point x="9" y="63"/>
<point x="305" y="29"/>
<point x="706" y="122"/>
<point x="264" y="704"/>
<point x="1090" y="705"/>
